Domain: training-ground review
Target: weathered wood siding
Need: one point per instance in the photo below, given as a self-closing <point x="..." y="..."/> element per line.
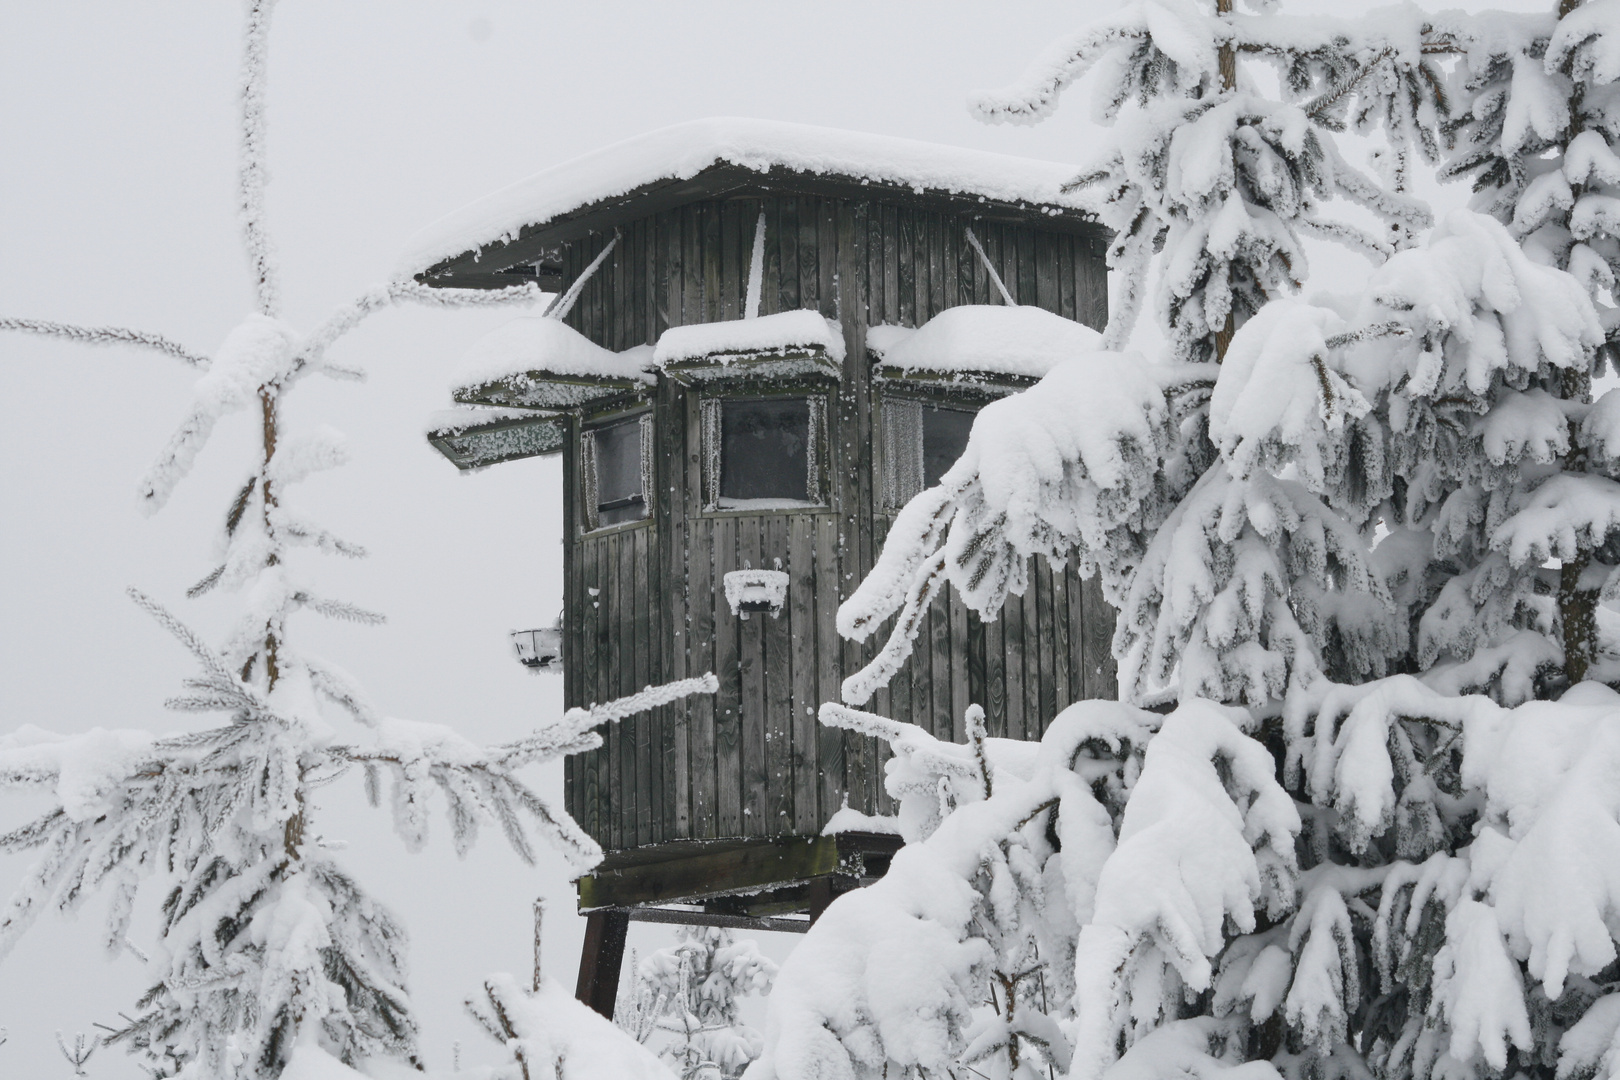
<point x="644" y="602"/>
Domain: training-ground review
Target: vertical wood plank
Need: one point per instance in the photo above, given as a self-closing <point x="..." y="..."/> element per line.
<point x="770" y="283"/>
<point x="1066" y="248"/>
<point x="674" y="545"/>
<point x="733" y="270"/>
<point x="889" y="256"/>
<point x="1091" y="286"/>
<point x="959" y="652"/>
<point x="830" y="742"/>
<point x="904" y="240"/>
<point x="700" y="647"/>
<point x="851" y="240"/>
<point x="1102" y="676"/>
<point x="1060" y="638"/>
<point x="1077" y="637"/>
<point x="1046" y="272"/>
<point x="941" y="268"/>
<point x="827" y="255"/>
<point x="809" y="282"/>
<point x="691" y="265"/>
<point x="978" y="690"/>
<point x="801" y="612"/>
<point x="995" y="676"/>
<point x="728" y="702"/>
<point x="751" y="675"/>
<point x="939" y="619"/>
<point x="713" y="262"/>
<point x="1012" y="620"/>
<point x="622" y="599"/>
<point x="1028" y="281"/>
<point x="649" y="775"/>
<point x="778" y="715"/>
<point x="787" y="240"/>
<point x="967" y="263"/>
<point x="1045" y="652"/>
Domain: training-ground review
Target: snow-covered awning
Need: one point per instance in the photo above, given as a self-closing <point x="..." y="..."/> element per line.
<point x="705" y="158"/>
<point x="789" y="344"/>
<point x="474" y="438"/>
<point x="991" y="348"/>
<point x="536" y="362"/>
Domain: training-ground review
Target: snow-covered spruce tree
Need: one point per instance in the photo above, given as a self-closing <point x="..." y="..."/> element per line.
<point x="683" y="1000"/>
<point x="266" y="943"/>
<point x="1539" y="134"/>
<point x="1397" y="879"/>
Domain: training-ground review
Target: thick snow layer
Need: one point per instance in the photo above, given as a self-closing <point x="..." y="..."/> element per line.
<point x="989" y="338"/>
<point x="684" y="150"/>
<point x="537" y="343"/>
<point x="786" y="331"/>
<point x="562" y="1038"/>
<point x="849" y="819"/>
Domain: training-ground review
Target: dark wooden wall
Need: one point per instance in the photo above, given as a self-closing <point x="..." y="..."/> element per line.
<point x="644" y="602"/>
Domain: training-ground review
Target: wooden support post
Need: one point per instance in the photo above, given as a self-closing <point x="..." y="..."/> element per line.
<point x="600" y="962"/>
<point x="821" y="894"/>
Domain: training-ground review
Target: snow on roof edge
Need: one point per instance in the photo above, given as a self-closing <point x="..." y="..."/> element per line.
<point x="681" y="151"/>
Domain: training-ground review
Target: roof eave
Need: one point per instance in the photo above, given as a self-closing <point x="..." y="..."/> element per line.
<point x="484" y="267"/>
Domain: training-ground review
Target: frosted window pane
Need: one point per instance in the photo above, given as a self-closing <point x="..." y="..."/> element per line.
<point x="764" y="449"/>
<point x="619" y="497"/>
<point x="945" y="436"/>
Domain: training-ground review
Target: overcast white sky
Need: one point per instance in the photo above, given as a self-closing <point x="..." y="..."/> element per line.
<point x="116" y="180"/>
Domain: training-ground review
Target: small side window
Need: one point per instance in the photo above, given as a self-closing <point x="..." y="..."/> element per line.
<point x="763" y="453"/>
<point x="921" y="441"/>
<point x="615" y="459"/>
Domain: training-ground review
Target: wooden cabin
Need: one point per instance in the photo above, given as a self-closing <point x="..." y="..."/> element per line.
<point x="768" y="338"/>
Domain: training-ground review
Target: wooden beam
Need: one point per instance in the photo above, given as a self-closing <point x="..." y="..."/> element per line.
<point x="697" y="917"/>
<point x="601" y="960"/>
<point x="694" y="871"/>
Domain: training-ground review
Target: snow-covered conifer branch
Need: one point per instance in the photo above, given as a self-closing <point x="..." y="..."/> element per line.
<point x="106" y="335"/>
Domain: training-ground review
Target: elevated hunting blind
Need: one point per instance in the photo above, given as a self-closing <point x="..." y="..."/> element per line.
<point x="767" y="339"/>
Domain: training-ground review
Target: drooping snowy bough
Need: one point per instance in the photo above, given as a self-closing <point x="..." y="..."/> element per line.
<point x="1360" y="545"/>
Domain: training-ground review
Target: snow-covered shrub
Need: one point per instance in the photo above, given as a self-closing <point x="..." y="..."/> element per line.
<point x="683" y="1000"/>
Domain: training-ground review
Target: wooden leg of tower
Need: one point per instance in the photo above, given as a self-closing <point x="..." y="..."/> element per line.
<point x="821" y="894"/>
<point x="603" y="956"/>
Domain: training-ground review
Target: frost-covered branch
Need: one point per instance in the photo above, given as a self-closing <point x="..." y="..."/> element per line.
<point x="106" y="335"/>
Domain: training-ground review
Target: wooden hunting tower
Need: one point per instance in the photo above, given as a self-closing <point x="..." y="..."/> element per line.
<point x="770" y="337"/>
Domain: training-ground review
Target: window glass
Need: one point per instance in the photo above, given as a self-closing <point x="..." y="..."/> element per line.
<point x="944" y="437"/>
<point x="765" y="450"/>
<point x="619" y="497"/>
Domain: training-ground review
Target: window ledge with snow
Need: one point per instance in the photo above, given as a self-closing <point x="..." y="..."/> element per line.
<point x="787" y="345"/>
<point x="988" y="348"/>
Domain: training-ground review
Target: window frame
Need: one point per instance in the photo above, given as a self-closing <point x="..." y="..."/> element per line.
<point x="590" y="507"/>
<point x="902" y="440"/>
<point x="710" y="408"/>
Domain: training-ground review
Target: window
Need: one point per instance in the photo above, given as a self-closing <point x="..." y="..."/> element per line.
<point x="921" y="441"/>
<point x="763" y="453"/>
<point x="615" y="460"/>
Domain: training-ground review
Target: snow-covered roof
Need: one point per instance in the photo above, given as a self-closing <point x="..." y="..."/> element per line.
<point x="682" y="151"/>
<point x="975" y="340"/>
